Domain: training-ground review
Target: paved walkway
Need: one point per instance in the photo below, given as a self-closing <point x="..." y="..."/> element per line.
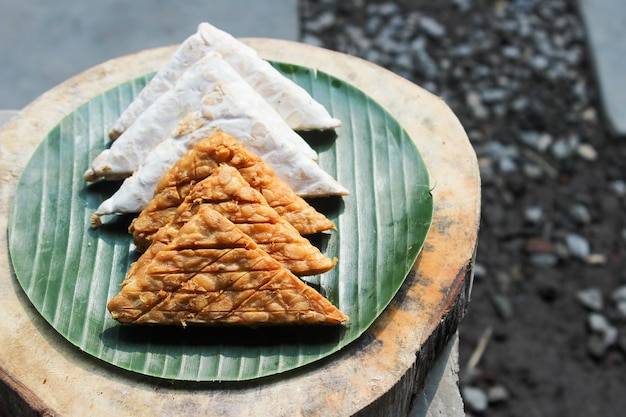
<point x="46" y="42"/>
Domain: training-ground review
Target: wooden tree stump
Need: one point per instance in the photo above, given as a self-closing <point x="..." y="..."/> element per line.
<point x="41" y="374"/>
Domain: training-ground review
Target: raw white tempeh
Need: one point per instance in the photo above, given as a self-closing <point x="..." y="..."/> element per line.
<point x="154" y="125"/>
<point x="137" y="190"/>
<point x="159" y="120"/>
<point x="189" y="52"/>
<point x="292" y="102"/>
<point x="236" y="109"/>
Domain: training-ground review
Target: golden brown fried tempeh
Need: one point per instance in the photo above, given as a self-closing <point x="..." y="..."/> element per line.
<point x="197" y="164"/>
<point x="212" y="273"/>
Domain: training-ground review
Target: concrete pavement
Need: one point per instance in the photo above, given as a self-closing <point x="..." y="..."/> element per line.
<point x="43" y="43"/>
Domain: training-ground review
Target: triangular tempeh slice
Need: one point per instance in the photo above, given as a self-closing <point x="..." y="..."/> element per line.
<point x="197" y="164"/>
<point x="291" y="101"/>
<point x="229" y="194"/>
<point x="214" y="89"/>
<point x="212" y="273"/>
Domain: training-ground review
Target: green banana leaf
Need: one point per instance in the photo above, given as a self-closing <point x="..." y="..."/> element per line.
<point x="69" y="271"/>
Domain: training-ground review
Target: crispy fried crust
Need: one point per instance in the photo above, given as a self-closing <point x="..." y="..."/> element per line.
<point x="212" y="273"/>
<point x="228" y="193"/>
<point x="198" y="163"/>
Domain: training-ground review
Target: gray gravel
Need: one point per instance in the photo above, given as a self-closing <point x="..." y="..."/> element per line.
<point x="552" y="246"/>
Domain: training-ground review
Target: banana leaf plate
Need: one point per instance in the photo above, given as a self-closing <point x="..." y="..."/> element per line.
<point x="69" y="271"/>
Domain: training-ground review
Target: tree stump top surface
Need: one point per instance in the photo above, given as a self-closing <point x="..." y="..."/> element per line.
<point x="380" y="373"/>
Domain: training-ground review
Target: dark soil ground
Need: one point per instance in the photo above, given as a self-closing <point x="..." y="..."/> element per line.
<point x="518" y="75"/>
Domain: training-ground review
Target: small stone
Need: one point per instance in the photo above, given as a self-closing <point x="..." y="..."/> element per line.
<point x="431" y="27"/>
<point x="358" y="37"/>
<point x="511" y="52"/>
<point x="424" y="61"/>
<point x="503" y="306"/>
<point x="507" y="165"/>
<point x="604" y="335"/>
<point x="404" y="61"/>
<point x="561" y="149"/>
<point x="475" y="398"/>
<point x="620" y="306"/>
<point x="533" y="214"/>
<point x="589" y="115"/>
<point x="498" y="150"/>
<point x="480" y="270"/>
<point x="537" y="140"/>
<point x="619" y="294"/>
<point x="493" y="95"/>
<point x="591" y="298"/>
<point x="385" y="39"/>
<point x="463" y="51"/>
<point x="373" y="24"/>
<point x="598" y="323"/>
<point x="473" y="100"/>
<point x="520" y="103"/>
<point x="597" y="259"/>
<point x="431" y="87"/>
<point x="321" y="23"/>
<point x="561" y="250"/>
<point x="532" y="171"/>
<point x="544" y="260"/>
<point x="619" y="188"/>
<point x="587" y="152"/>
<point x="497" y="394"/>
<point x="577" y="246"/>
<point x="463" y="5"/>
<point x="580" y="213"/>
<point x="388" y="9"/>
<point x="539" y="63"/>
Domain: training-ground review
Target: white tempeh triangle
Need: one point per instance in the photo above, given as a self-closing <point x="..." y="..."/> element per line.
<point x="233" y="108"/>
<point x="204" y="87"/>
<point x="293" y="103"/>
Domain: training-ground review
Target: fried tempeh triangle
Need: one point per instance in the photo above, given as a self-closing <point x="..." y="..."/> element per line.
<point x="212" y="273"/>
<point x="197" y="164"/>
<point x="229" y="194"/>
